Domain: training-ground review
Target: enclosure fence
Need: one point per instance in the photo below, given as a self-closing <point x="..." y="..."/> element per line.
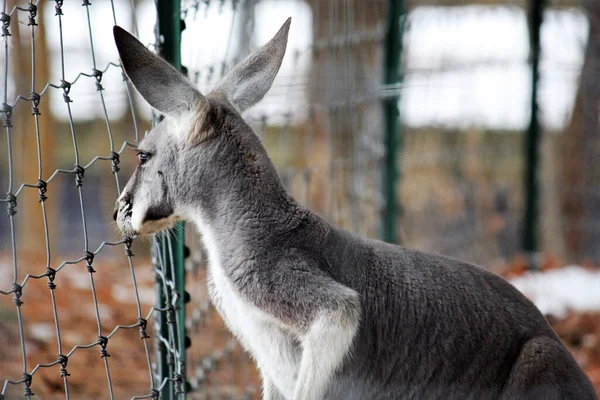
<point x="378" y="121"/>
<point x="51" y="268"/>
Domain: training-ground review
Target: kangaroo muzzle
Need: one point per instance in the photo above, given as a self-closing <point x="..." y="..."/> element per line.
<point x="122" y="214"/>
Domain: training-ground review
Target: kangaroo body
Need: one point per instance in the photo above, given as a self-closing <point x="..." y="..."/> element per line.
<point x="430" y="327"/>
<point x="325" y="314"/>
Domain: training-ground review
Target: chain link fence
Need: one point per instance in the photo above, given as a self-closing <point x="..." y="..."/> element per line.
<point x="465" y="108"/>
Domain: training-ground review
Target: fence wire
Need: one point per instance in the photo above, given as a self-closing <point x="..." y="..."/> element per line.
<point x="53" y="268"/>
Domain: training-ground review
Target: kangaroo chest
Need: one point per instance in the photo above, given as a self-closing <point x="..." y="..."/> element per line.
<point x="275" y="350"/>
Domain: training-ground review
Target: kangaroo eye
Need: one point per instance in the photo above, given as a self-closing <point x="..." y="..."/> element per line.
<point x="142" y="157"/>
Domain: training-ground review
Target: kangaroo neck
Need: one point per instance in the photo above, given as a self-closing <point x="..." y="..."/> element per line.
<point x="248" y="216"/>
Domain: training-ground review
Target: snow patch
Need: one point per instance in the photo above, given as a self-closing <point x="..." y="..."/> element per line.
<point x="556" y="292"/>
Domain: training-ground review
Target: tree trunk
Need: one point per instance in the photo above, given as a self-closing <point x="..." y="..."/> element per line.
<point x="31" y="232"/>
<point x="347" y="60"/>
<point x="580" y="150"/>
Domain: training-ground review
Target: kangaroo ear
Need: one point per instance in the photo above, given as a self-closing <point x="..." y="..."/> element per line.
<point x="252" y="78"/>
<point x="165" y="88"/>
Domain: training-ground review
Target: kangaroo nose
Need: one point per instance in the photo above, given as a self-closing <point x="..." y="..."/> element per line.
<point x="116" y="210"/>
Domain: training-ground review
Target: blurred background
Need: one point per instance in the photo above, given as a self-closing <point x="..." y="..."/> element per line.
<point x="468" y="128"/>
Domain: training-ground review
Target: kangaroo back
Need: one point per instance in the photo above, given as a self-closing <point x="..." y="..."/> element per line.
<point x="434" y="327"/>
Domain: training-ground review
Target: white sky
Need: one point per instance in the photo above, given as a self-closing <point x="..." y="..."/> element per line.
<point x="466" y="66"/>
<point x="479" y="62"/>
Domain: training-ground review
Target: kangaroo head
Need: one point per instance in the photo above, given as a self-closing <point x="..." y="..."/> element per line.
<point x="202" y="151"/>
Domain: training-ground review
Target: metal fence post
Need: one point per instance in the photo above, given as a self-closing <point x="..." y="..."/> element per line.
<point x="392" y="134"/>
<point x="169" y="30"/>
<point x="532" y="139"/>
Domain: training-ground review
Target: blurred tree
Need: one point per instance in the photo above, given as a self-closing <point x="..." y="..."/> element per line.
<point x="245" y="28"/>
<point x="347" y="61"/>
<point x="30" y="222"/>
<point x="580" y="149"/>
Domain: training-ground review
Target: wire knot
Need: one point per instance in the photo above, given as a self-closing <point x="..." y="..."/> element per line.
<point x="171" y="314"/>
<point x="155" y="394"/>
<point x="79" y="173"/>
<point x="115" y="162"/>
<point x="89" y="260"/>
<point x="63" y="360"/>
<point x="27" y="383"/>
<point x="96" y="73"/>
<point x="5" y="19"/>
<point x="66" y="86"/>
<point x="18" y="292"/>
<point x="128" y="241"/>
<point x="58" y="7"/>
<point x="35" y="103"/>
<point x="178" y="384"/>
<point x="32" y="14"/>
<point x="103" y="341"/>
<point x="51" y="274"/>
<point x="7" y="111"/>
<point x="11" y="204"/>
<point x="143" y="323"/>
<point x="42" y="188"/>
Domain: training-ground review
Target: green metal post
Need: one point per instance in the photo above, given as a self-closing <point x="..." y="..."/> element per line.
<point x="392" y="134"/>
<point x="169" y="29"/>
<point x="532" y="139"/>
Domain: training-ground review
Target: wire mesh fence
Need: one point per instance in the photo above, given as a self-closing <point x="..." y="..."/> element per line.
<point x="464" y="109"/>
<point x="32" y="244"/>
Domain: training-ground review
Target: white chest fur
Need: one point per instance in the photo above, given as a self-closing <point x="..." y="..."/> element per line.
<point x="275" y="350"/>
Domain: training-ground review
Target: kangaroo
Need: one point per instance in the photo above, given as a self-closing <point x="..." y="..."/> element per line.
<point x="326" y="314"/>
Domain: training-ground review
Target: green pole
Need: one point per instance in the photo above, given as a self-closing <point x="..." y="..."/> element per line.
<point x="169" y="29"/>
<point x="532" y="140"/>
<point x="392" y="134"/>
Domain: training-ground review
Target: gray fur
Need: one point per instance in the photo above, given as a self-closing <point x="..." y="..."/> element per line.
<point x="326" y="313"/>
<point x="157" y="81"/>
<point x="248" y="82"/>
